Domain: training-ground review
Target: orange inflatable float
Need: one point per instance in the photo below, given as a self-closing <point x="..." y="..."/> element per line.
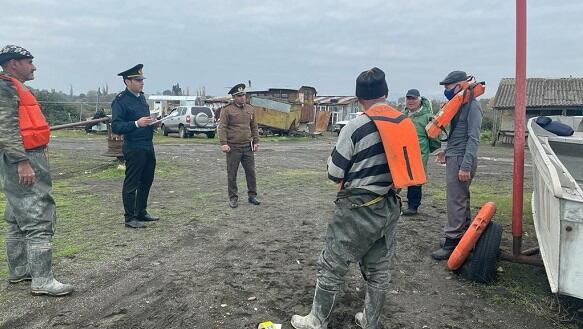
<point x="468" y="241"/>
<point x="449" y="110"/>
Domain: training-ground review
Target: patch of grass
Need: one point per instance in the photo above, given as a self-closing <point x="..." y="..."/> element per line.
<point x="75" y="208"/>
<point x="113" y="172"/>
<point x="197" y="139"/>
<point x="482" y="192"/>
<point x="116" y="170"/>
<point x="77" y="134"/>
<point x="159" y="138"/>
<point x="296" y="178"/>
<point x="485" y="136"/>
<point x="525" y="287"/>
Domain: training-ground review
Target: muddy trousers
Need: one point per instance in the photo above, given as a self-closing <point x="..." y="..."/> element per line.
<point x="139" y="175"/>
<point x="244" y="156"/>
<point x="365" y="235"/>
<point x="458" y="198"/>
<point x="29" y="213"/>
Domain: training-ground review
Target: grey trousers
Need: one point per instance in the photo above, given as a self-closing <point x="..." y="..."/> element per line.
<point x="245" y="156"/>
<point x="458" y="198"/>
<point x="359" y="234"/>
<point x="30" y="210"/>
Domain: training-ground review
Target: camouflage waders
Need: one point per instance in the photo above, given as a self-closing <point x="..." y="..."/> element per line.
<point x="30" y="214"/>
<point x="362" y="230"/>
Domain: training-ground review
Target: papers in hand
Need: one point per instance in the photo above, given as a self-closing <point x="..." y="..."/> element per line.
<point x="159" y="121"/>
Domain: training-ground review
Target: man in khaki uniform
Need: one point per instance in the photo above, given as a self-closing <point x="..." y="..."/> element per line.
<point x="239" y="139"/>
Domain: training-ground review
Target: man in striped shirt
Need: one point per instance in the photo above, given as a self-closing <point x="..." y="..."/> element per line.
<point x="362" y="228"/>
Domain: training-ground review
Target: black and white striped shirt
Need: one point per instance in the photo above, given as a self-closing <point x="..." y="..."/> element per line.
<point x="358" y="159"/>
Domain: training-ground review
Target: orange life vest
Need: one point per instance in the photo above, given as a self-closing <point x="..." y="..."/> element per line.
<point x="450" y="109"/>
<point x="401" y="145"/>
<point x="34" y="128"/>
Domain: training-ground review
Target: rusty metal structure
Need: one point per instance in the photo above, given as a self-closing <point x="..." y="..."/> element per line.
<point x="302" y="98"/>
<point x="114" y="142"/>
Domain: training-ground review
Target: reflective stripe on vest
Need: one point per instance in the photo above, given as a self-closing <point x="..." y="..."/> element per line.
<point x="401" y="145"/>
<point x="34" y="128"/>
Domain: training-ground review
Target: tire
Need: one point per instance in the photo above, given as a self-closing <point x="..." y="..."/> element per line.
<point x="471" y="236"/>
<point x="181" y="132"/>
<point x="201" y="119"/>
<point x="210" y="134"/>
<point x="481" y="264"/>
<point x="164" y="130"/>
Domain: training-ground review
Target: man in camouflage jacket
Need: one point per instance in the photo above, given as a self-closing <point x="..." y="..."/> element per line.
<point x="26" y="179"/>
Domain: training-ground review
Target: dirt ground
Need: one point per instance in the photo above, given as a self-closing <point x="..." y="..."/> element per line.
<point x="204" y="265"/>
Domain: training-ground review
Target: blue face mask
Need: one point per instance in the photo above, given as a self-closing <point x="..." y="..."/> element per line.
<point x="449" y="93"/>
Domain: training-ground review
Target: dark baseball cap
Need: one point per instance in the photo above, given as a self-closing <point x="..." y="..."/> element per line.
<point x="413" y="93"/>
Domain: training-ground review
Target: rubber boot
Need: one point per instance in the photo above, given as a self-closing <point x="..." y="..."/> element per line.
<point x="321" y="309"/>
<point x="369" y="318"/>
<point x="18" y="270"/>
<point x="40" y="259"/>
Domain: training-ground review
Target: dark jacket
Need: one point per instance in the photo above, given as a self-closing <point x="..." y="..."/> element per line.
<point x="464" y="137"/>
<point x="126" y="109"/>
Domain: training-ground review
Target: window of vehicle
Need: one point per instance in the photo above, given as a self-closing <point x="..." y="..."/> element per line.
<point x="182" y="111"/>
<point x="198" y="109"/>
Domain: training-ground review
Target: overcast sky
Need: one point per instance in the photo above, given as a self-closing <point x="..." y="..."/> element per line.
<point x="287" y="44"/>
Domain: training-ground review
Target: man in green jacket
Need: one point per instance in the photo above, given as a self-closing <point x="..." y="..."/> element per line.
<point x="419" y="110"/>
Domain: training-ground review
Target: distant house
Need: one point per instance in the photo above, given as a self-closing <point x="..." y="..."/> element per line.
<point x="563" y="96"/>
<point x="304" y="96"/>
<point x="339" y="106"/>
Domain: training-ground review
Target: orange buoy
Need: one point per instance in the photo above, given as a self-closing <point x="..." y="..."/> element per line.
<point x="468" y="241"/>
<point x="450" y="109"/>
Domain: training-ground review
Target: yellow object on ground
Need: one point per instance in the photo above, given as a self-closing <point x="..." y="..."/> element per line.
<point x="268" y="325"/>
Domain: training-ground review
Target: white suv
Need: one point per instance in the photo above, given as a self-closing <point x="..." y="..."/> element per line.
<point x="340" y="124"/>
<point x="190" y="120"/>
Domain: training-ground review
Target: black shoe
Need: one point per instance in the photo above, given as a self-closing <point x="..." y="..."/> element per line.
<point x="233" y="203"/>
<point x="409" y="212"/>
<point x="135" y="224"/>
<point x="446" y="249"/>
<point x="253" y="200"/>
<point x="148" y="218"/>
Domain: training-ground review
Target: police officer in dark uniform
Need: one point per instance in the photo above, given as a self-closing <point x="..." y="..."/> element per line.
<point x="131" y="118"/>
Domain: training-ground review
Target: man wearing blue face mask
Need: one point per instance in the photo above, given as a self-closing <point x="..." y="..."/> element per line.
<point x="461" y="161"/>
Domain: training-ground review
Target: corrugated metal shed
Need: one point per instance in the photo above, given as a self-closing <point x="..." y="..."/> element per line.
<point x="541" y="92"/>
<point x="278" y="105"/>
